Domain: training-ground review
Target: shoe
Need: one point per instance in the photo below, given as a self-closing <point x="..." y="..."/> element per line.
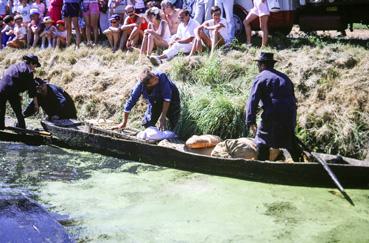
<point x="155" y="60"/>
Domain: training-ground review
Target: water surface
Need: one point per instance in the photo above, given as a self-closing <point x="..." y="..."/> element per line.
<point x="112" y="200"/>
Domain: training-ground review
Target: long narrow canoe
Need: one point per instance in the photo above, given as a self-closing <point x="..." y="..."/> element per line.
<point x="79" y="136"/>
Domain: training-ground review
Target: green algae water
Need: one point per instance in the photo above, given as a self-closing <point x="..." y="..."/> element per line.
<point x="112" y="200"/>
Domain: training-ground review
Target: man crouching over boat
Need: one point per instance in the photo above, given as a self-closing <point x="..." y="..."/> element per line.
<point x="162" y="98"/>
<point x="55" y="102"/>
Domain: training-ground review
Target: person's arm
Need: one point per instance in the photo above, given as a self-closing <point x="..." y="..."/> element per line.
<point x="163" y="115"/>
<point x="252" y="105"/>
<point x="186" y="40"/>
<point x="215" y="27"/>
<point x="135" y="95"/>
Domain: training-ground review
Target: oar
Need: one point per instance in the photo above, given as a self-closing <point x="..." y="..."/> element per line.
<point x="28" y="131"/>
<point x="327" y="169"/>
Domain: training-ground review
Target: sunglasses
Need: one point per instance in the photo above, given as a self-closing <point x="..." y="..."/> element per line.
<point x="217" y="14"/>
<point x="130" y="12"/>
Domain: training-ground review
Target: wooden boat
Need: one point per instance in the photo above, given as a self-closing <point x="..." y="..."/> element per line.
<point x="83" y="136"/>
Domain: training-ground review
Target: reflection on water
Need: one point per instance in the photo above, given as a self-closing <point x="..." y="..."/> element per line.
<point x="112" y="200"/>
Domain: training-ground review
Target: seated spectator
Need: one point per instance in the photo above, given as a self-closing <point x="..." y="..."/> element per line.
<point x="7" y="33"/>
<point x="218" y="32"/>
<point x="132" y="29"/>
<point x="60" y="38"/>
<point x="139" y="6"/>
<point x="227" y="7"/>
<point x="48" y="33"/>
<point x="20" y="32"/>
<point x="170" y="14"/>
<point x="40" y="6"/>
<point x="113" y="32"/>
<point x="34" y="29"/>
<point x="54" y="101"/>
<point x="157" y="35"/>
<point x="24" y="10"/>
<point x="183" y="40"/>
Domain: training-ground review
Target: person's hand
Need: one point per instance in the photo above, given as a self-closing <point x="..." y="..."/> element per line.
<point x="120" y="126"/>
<point x="253" y="129"/>
<point x="162" y="123"/>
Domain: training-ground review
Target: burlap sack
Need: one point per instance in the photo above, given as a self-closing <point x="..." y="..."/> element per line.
<point x="236" y="148"/>
<point x="202" y="141"/>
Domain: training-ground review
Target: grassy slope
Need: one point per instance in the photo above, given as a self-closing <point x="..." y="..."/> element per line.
<point x="331" y="84"/>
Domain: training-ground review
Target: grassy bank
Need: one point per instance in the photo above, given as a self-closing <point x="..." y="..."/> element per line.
<point x="331" y="85"/>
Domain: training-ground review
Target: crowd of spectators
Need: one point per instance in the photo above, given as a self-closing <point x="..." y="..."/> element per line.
<point x="174" y="26"/>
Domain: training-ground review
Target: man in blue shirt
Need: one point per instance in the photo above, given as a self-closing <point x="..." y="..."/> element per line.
<point x="55" y="102"/>
<point x="162" y="98"/>
<point x="278" y="120"/>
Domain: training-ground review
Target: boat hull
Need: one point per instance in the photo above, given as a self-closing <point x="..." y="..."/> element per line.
<point x="302" y="174"/>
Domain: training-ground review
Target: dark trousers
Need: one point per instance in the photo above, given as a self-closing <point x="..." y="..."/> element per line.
<point x="16" y="105"/>
<point x="173" y="114"/>
<point x="294" y="150"/>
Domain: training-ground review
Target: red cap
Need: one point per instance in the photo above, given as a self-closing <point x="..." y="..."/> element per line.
<point x="60" y="22"/>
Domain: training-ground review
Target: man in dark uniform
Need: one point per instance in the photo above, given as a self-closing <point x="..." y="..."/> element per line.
<point x="162" y="98"/>
<point x="278" y="120"/>
<point x="17" y="79"/>
<point x="56" y="103"/>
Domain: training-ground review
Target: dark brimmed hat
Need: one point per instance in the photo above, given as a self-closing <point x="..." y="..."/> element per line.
<point x="114" y="17"/>
<point x="266" y="57"/>
<point x="32" y="59"/>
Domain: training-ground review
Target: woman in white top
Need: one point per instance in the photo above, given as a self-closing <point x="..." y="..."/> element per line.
<point x="157" y="35"/>
<point x="218" y="32"/>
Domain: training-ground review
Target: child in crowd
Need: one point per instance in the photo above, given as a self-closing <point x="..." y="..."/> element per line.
<point x="20" y="32"/>
<point x="48" y="33"/>
<point x="218" y="32"/>
<point x="60" y="39"/>
<point x="7" y="33"/>
<point x="34" y="28"/>
<point x="113" y="32"/>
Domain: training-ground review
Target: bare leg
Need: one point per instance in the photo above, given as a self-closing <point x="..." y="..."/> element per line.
<point x="124" y="37"/>
<point x="144" y="44"/>
<point x="264" y="27"/>
<point x="68" y="26"/>
<point x="76" y="27"/>
<point x="36" y="37"/>
<point x="217" y="41"/>
<point x="109" y="35"/>
<point x="88" y="27"/>
<point x="247" y="23"/>
<point x="116" y="36"/>
<point x="94" y="18"/>
<point x="135" y="37"/>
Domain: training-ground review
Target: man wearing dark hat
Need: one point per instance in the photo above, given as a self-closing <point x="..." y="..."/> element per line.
<point x="54" y="101"/>
<point x="16" y="79"/>
<point x="162" y="98"/>
<point x="278" y="120"/>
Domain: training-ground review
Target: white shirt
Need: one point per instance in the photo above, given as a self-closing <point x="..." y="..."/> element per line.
<point x="24" y="11"/>
<point x="188" y="31"/>
<point x="20" y="31"/>
<point x="223" y="31"/>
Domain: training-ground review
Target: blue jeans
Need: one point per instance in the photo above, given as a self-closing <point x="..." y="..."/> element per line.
<point x="202" y="10"/>
<point x="227" y="8"/>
